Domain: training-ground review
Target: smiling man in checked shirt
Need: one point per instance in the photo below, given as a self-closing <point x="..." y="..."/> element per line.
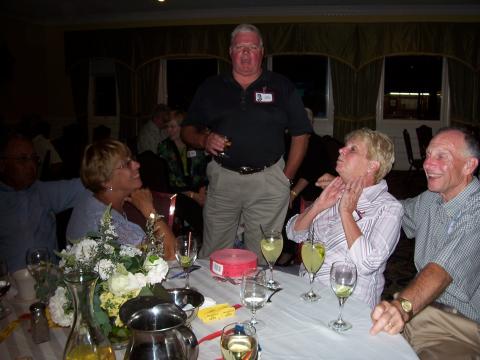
<point x="439" y="311"/>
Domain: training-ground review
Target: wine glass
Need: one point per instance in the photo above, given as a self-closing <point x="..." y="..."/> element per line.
<point x="239" y="342"/>
<point x="271" y="244"/>
<point x="38" y="264"/>
<point x="5" y="284"/>
<point x="313" y="254"/>
<point x="227" y="143"/>
<point x="343" y="278"/>
<point x="254" y="293"/>
<point x="186" y="254"/>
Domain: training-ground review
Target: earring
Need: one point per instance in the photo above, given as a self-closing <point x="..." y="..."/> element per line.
<point x="110" y="188"/>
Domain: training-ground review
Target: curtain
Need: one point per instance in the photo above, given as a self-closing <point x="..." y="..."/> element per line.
<point x="127" y="116"/>
<point x="79" y="79"/>
<point x="162" y="97"/>
<point x="354" y="96"/>
<point x="147" y="87"/>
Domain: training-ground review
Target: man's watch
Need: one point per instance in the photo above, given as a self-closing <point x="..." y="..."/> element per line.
<point x="406" y="306"/>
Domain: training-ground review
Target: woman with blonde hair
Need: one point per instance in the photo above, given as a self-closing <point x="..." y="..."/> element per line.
<point x="111" y="174"/>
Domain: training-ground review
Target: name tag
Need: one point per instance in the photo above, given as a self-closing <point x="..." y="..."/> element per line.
<point x="263" y="97"/>
<point x="191" y="153"/>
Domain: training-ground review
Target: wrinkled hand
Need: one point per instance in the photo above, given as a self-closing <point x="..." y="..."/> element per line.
<point x="324" y="180"/>
<point x="214" y="143"/>
<point x="351" y="194"/>
<point x="142" y="199"/>
<point x="386" y="317"/>
<point x="330" y="194"/>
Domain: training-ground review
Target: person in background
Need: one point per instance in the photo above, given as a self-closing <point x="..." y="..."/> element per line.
<point x="153" y="132"/>
<point x="187" y="173"/>
<point x="50" y="162"/>
<point x="27" y="205"/>
<point x="355" y="216"/>
<point x="439" y="311"/>
<point x="112" y="176"/>
<point x="315" y="164"/>
<point x="246" y="113"/>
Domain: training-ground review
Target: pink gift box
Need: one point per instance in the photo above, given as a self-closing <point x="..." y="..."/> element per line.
<point x="232" y="262"/>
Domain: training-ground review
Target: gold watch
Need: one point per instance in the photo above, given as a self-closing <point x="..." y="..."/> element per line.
<point x="407" y="307"/>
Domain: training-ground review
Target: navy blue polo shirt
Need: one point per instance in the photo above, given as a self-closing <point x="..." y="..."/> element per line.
<point x="254" y="119"/>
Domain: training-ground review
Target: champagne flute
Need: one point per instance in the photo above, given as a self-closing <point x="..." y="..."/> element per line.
<point x="5" y="284"/>
<point x="253" y="293"/>
<point x="239" y="342"/>
<point x="38" y="264"/>
<point x="271" y="244"/>
<point x="313" y="254"/>
<point x="343" y="278"/>
<point x="186" y="254"/>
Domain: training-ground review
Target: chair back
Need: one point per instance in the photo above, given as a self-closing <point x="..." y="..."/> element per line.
<point x="408" y="146"/>
<point x="424" y="135"/>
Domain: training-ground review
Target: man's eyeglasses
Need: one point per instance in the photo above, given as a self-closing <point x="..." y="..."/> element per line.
<point x="241" y="48"/>
<point x="24" y="158"/>
<point x="127" y="163"/>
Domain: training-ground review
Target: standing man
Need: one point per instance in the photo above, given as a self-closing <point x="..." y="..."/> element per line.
<point x="249" y="182"/>
<point x="153" y="132"/>
<point x="439" y="311"/>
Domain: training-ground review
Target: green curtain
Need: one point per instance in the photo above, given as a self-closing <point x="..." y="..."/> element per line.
<point x="354" y="96"/>
<point x="127" y="116"/>
<point x="79" y="79"/>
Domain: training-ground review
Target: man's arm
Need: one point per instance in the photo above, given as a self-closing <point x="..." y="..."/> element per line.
<point x="212" y="143"/>
<point x="298" y="148"/>
<point x="429" y="284"/>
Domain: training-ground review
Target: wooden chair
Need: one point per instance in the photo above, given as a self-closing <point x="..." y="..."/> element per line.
<point x="164" y="204"/>
<point x="417" y="164"/>
<point x="424" y="135"/>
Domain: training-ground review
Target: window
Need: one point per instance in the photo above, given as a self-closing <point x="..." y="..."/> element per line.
<point x="183" y="78"/>
<point x="105" y="95"/>
<point x="309" y="74"/>
<point x="413" y="87"/>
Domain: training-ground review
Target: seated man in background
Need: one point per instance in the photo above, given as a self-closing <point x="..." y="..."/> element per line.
<point x="153" y="131"/>
<point x="28" y="206"/>
<point x="439" y="311"/>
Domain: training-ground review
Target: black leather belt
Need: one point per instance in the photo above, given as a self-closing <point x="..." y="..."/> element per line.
<point x="245" y="170"/>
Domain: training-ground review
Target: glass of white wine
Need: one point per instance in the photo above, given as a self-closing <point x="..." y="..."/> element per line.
<point x="272" y="245"/>
<point x="239" y="342"/>
<point x="186" y="254"/>
<point x="343" y="278"/>
<point x="39" y="264"/>
<point x="313" y="254"/>
<point x="254" y="294"/>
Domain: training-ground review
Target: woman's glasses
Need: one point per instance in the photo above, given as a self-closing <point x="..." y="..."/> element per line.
<point x="127" y="163"/>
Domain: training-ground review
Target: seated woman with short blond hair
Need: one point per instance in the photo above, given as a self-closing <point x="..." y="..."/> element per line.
<point x="109" y="171"/>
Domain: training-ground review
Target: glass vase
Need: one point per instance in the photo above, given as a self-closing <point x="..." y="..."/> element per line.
<point x="86" y="340"/>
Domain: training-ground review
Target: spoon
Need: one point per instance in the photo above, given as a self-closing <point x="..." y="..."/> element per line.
<point x="269" y="299"/>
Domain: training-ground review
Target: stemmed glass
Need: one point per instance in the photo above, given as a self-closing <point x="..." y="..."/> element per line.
<point x="227" y="144"/>
<point x="239" y="342"/>
<point x="253" y="293"/>
<point x="313" y="254"/>
<point x="38" y="264"/>
<point x="186" y="254"/>
<point x="271" y="244"/>
<point x="343" y="278"/>
<point x="4" y="287"/>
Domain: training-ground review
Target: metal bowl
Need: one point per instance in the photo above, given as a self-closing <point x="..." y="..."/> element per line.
<point x="183" y="297"/>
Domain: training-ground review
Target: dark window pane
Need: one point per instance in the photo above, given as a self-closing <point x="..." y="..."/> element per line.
<point x="105" y="96"/>
<point x="309" y="74"/>
<point x="413" y="87"/>
<point x="183" y="78"/>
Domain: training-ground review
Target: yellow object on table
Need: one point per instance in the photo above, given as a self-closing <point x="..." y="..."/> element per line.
<point x="216" y="312"/>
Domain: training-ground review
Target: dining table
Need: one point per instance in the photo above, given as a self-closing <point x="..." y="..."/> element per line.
<point x="293" y="328"/>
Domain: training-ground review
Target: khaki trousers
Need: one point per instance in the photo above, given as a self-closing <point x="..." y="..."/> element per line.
<point x="438" y="335"/>
<point x="255" y="199"/>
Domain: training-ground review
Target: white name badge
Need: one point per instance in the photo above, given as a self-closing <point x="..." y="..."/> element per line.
<point x="191" y="153"/>
<point x="263" y="97"/>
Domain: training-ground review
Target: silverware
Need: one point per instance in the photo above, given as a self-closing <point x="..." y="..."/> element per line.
<point x="269" y="299"/>
<point x="182" y="273"/>
<point x="227" y="279"/>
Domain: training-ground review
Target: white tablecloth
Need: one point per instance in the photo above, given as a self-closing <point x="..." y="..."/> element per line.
<point x="294" y="329"/>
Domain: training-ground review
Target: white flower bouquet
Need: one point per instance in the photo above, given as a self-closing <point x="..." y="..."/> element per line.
<point x="124" y="273"/>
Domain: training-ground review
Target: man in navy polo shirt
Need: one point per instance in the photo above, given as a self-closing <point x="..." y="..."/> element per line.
<point x="240" y="118"/>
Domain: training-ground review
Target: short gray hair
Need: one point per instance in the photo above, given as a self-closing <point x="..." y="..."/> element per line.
<point x="246" y="28"/>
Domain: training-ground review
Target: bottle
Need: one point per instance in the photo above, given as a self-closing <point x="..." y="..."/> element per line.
<point x="40" y="331"/>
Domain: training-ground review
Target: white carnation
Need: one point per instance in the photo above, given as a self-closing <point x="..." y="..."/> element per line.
<point x="157" y="273"/>
<point x="85" y="250"/>
<point x="120" y="284"/>
<point x="105" y="268"/>
<point x="109" y="249"/>
<point x="56" y="306"/>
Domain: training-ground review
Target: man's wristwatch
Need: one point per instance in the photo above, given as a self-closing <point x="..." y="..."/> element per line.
<point x="406" y="307"/>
